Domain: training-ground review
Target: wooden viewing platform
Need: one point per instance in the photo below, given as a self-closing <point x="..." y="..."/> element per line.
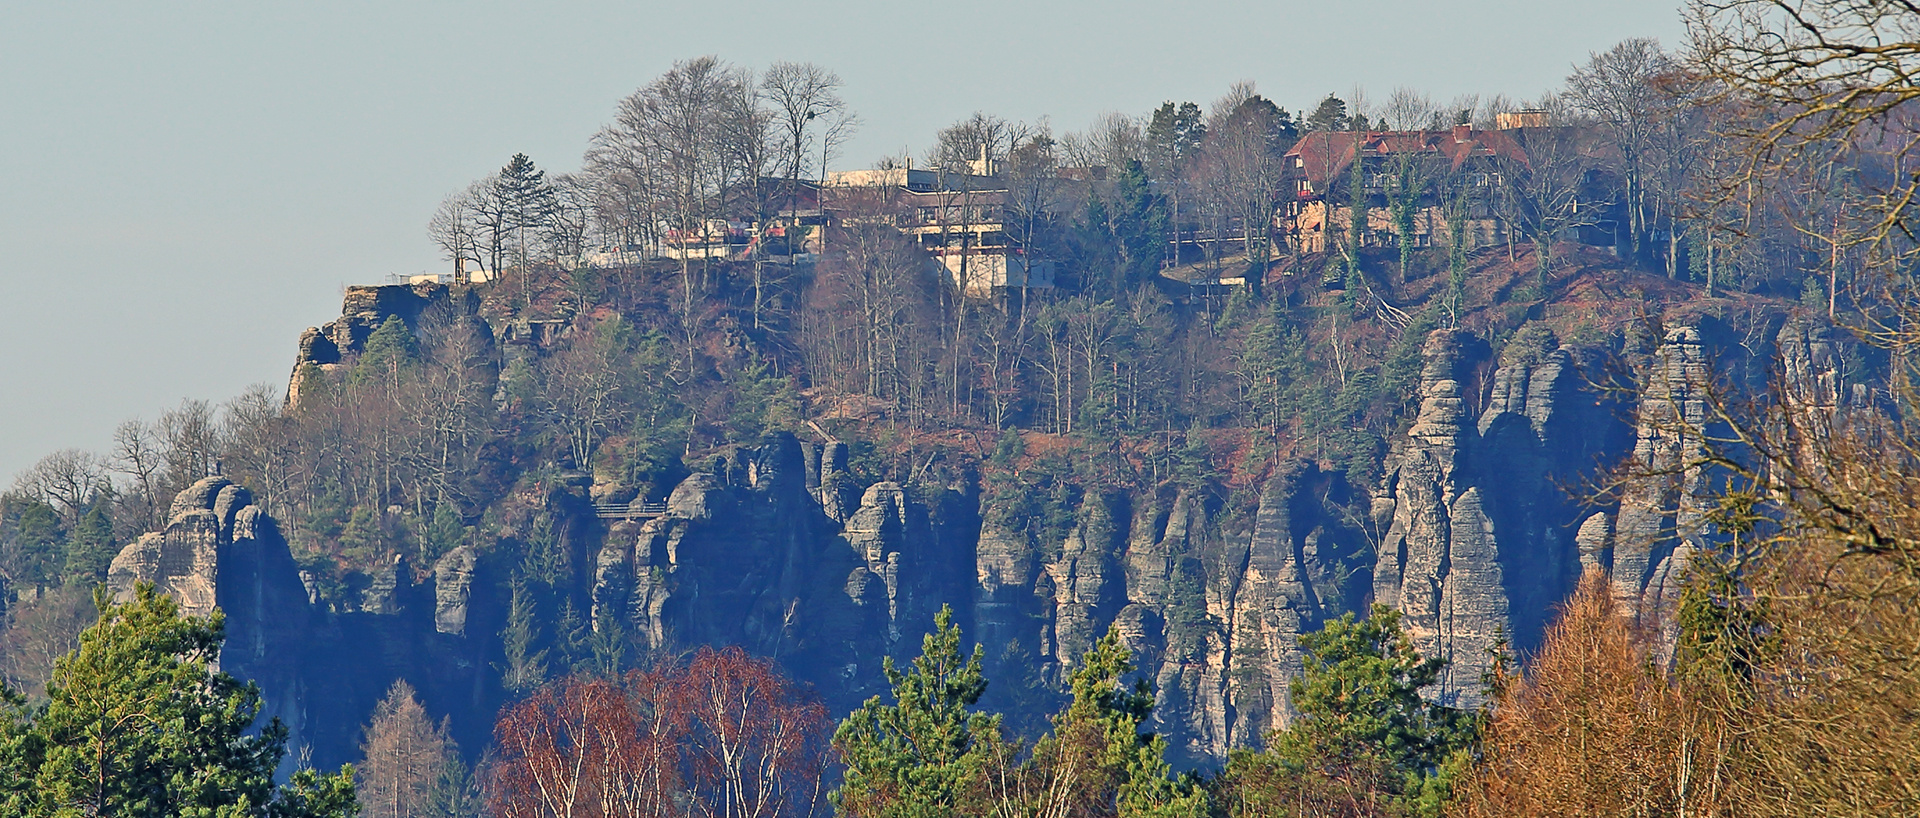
<point x="628" y="511"/>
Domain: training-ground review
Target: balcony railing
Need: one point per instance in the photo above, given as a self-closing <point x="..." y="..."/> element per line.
<point x="628" y="511"/>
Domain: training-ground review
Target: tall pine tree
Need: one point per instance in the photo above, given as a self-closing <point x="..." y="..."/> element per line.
<point x="915" y="757"/>
<point x="136" y="725"/>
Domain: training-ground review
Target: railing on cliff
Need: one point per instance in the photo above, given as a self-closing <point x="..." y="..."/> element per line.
<point x="628" y="511"/>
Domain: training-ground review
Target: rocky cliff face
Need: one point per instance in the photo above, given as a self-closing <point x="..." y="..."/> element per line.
<point x="320" y="672"/>
<point x="1478" y="526"/>
<point x="768" y="551"/>
<point x="364" y="309"/>
<point x="1660" y="524"/>
<point x="219" y="550"/>
<point x="759" y="552"/>
<point x="1481" y="532"/>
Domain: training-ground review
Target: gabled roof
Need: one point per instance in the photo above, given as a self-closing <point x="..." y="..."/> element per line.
<point x="1321" y="156"/>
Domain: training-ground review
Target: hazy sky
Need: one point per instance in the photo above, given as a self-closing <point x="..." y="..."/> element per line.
<point x="187" y="185"/>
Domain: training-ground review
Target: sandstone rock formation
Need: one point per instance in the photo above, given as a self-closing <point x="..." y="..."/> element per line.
<point x="1659" y="525"/>
<point x="326" y="348"/>
<point x="1485" y="518"/>
<point x="1478" y="525"/>
<point x="320" y="671"/>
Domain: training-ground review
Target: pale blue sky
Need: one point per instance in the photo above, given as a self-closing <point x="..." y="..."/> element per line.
<point x="187" y="185"/>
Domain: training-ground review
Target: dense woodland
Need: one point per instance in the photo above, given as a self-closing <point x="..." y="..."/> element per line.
<point x="1760" y="167"/>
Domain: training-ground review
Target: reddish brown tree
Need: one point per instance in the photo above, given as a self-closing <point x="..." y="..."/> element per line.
<point x="725" y="735"/>
<point x="584" y="747"/>
<point x="755" y="742"/>
<point x="1593" y="728"/>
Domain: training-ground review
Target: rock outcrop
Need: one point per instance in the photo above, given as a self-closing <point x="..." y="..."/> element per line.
<point x="219" y="550"/>
<point x="1658" y="527"/>
<point x="769" y="548"/>
<point x="320" y="671"/>
<point x="1482" y="533"/>
<point x="1477" y="526"/>
<point x="329" y="348"/>
<point x="1661" y="524"/>
<point x="1440" y="560"/>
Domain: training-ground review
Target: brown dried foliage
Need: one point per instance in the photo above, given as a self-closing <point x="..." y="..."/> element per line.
<point x="1795" y="678"/>
<point x="725" y="735"/>
<point x="1590" y="729"/>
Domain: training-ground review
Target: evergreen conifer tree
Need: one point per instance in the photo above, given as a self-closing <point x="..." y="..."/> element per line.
<point x="444" y="533"/>
<point x="526" y="666"/>
<point x="1364" y="736"/>
<point x="390" y="350"/>
<point x="90" y="548"/>
<point x="135" y="725"/>
<point x="1139" y="220"/>
<point x="915" y="757"/>
<point x="1099" y="744"/>
<point x="1329" y="115"/>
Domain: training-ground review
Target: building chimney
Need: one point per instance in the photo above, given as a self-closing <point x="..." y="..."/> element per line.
<point x="982" y="166"/>
<point x="1462" y="132"/>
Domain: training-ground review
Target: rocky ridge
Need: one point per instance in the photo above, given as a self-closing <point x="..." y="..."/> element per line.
<point x="1474" y="532"/>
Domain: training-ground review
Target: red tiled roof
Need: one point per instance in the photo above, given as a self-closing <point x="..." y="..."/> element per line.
<point x="1323" y="155"/>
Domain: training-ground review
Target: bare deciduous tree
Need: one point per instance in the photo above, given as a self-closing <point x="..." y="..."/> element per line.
<point x="755" y="743"/>
<point x="1547" y="193"/>
<point x="40" y="630"/>
<point x="1409" y="110"/>
<point x="137" y="457"/>
<point x="405" y="758"/>
<point x="675" y="122"/>
<point x="582" y="394"/>
<point x="874" y="276"/>
<point x="1246" y="138"/>
<point x="191" y="434"/>
<point x="567" y="229"/>
<point x="1110" y="142"/>
<point x="626" y="189"/>
<point x="1620" y="90"/>
<point x="67" y="480"/>
<point x="255" y="426"/>
<point x="799" y="94"/>
<point x="724" y="736"/>
<point x="455" y="228"/>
